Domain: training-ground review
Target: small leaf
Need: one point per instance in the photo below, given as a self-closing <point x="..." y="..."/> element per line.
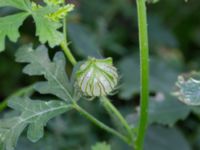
<point x="9" y="26"/>
<point x="188" y="91"/>
<point x="101" y="146"/>
<point x="34" y="114"/>
<point x="54" y="72"/>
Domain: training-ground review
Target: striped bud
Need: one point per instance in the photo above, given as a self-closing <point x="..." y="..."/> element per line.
<point x="97" y="77"/>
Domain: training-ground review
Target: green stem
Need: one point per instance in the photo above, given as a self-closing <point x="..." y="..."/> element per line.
<point x="72" y="59"/>
<point x="26" y="90"/>
<point x="110" y="107"/>
<point x="144" y="74"/>
<point x="99" y="123"/>
<point x="64" y="45"/>
<point x="3" y="105"/>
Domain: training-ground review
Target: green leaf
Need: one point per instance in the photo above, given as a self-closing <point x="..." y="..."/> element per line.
<point x="159" y="82"/>
<point x="83" y="41"/>
<point x="163" y="107"/>
<point x="160" y="34"/>
<point x="20" y="4"/>
<point x="188" y="91"/>
<point x="9" y="26"/>
<point x="34" y="114"/>
<point x="167" y="110"/>
<point x="163" y="110"/>
<point x="46" y="29"/>
<point x="130" y="84"/>
<point x="54" y="72"/>
<point x="101" y="146"/>
<point x="162" y="138"/>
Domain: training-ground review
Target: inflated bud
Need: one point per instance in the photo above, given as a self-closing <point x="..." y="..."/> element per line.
<point x="97" y="77"/>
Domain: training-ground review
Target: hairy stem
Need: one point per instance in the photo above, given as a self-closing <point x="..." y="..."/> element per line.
<point x="110" y="107"/>
<point x="144" y="73"/>
<point x="64" y="45"/>
<point x="26" y="90"/>
<point x="99" y="123"/>
<point x="72" y="59"/>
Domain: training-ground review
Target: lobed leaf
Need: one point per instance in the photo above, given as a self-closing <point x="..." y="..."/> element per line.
<point x="46" y="29"/>
<point x="54" y="71"/>
<point x="34" y="115"/>
<point x="9" y="27"/>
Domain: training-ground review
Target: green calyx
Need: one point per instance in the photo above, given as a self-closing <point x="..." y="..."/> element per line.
<point x="97" y="77"/>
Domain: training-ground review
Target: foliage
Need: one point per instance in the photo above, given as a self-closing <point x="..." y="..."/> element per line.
<point x="11" y="24"/>
<point x="96" y="28"/>
<point x="163" y="138"/>
<point x="46" y="20"/>
<point x="34" y="114"/>
<point x="57" y="81"/>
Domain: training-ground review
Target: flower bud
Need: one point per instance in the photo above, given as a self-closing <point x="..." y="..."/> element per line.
<point x="97" y="77"/>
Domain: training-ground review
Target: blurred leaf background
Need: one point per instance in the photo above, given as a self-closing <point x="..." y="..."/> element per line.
<point x="108" y="28"/>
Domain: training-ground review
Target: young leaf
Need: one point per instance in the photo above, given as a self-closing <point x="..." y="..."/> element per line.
<point x="54" y="72"/>
<point x="46" y="29"/>
<point x="34" y="114"/>
<point x="9" y="26"/>
<point x="60" y="13"/>
<point x="188" y="91"/>
<point x="101" y="146"/>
